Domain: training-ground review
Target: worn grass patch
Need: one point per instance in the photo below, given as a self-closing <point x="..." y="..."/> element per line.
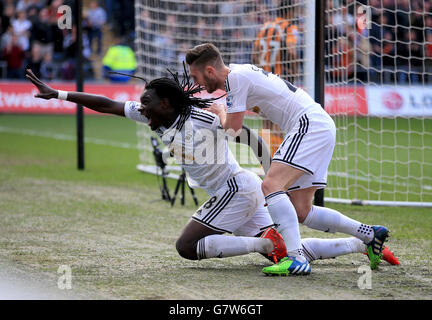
<point x="108" y="224"/>
<point x="120" y="243"/>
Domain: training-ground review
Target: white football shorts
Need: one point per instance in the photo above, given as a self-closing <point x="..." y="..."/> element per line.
<point x="237" y="207"/>
<point x="309" y="147"/>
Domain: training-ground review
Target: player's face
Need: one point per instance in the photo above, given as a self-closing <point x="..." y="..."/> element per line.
<point x="205" y="77"/>
<point x="151" y="108"/>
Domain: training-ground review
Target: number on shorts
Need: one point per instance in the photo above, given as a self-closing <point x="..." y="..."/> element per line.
<point x="209" y="203"/>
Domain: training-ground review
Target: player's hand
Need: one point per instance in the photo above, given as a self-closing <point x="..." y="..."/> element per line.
<point x="45" y="92"/>
<point x="216" y="108"/>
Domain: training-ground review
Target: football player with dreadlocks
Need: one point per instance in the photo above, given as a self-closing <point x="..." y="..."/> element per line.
<point x="236" y="205"/>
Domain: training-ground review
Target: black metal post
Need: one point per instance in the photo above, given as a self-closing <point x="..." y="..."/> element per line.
<point x="79" y="83"/>
<point x="319" y="71"/>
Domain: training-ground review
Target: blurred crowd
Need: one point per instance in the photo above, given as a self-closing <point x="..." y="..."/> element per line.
<point x="30" y="36"/>
<point x="390" y="42"/>
<point x="393" y="38"/>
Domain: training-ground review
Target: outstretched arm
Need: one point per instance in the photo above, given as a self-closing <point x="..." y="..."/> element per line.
<point x="91" y="101"/>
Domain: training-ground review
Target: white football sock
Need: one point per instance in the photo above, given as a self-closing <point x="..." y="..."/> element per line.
<point x="330" y="248"/>
<point x="222" y="246"/>
<point x="284" y="215"/>
<point x="329" y="220"/>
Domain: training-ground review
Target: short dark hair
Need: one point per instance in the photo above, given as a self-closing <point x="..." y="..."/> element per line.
<point x="203" y="54"/>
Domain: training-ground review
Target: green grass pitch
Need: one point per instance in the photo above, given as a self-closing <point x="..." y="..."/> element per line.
<point x="108" y="224"/>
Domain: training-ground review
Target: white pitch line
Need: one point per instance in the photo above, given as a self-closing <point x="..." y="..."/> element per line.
<point x="65" y="137"/>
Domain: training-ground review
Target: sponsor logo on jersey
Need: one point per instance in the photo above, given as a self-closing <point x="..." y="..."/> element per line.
<point x="229" y="101"/>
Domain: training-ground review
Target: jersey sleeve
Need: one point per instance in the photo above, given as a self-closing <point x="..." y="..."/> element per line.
<point x="131" y="111"/>
<point x="205" y="119"/>
<point x="237" y="87"/>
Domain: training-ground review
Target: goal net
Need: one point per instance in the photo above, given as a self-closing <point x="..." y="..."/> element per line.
<point x="378" y="80"/>
<point x="379" y="90"/>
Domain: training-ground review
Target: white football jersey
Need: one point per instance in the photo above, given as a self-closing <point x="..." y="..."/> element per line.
<point x="251" y="88"/>
<point x="199" y="144"/>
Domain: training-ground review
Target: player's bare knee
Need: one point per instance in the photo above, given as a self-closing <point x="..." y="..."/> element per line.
<point x="301" y="216"/>
<point x="302" y="212"/>
<point x="269" y="186"/>
<point x="264" y="188"/>
<point x="186" y="249"/>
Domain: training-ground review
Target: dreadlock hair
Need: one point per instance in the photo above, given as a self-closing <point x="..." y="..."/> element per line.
<point x="180" y="94"/>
